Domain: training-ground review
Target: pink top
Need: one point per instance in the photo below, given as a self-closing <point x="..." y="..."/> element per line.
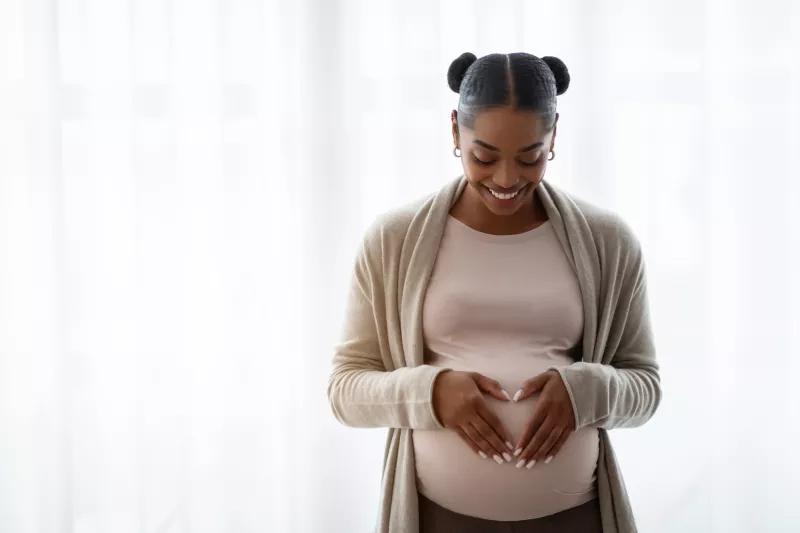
<point x="509" y="307"/>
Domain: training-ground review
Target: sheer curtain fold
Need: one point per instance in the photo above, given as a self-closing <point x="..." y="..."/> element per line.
<point x="183" y="186"/>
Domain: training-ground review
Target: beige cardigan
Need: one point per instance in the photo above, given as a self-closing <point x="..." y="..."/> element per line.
<point x="379" y="378"/>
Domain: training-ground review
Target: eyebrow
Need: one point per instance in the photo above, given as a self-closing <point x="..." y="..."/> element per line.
<point x="488" y="146"/>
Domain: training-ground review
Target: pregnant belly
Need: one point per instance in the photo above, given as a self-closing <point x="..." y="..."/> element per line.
<point x="452" y="475"/>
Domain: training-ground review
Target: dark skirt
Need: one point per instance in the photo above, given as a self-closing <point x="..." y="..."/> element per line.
<point x="582" y="519"/>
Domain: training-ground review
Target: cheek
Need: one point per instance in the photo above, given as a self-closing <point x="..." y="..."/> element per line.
<point x="535" y="174"/>
<point x="475" y="172"/>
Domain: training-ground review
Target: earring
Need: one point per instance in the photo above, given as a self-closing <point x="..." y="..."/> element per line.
<point x="552" y="155"/>
<point x="457" y="151"/>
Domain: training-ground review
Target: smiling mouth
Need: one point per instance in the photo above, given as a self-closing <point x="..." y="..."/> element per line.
<point x="506" y="196"/>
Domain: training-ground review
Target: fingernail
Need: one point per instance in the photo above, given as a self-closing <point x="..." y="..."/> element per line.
<point x="517" y="395"/>
<point x="547" y="461"/>
<point x="507" y="457"/>
<point x="521" y="464"/>
<point x="519" y="451"/>
<point x="531" y="463"/>
<point x="498" y="459"/>
<point x="506" y="395"/>
<point x="483" y="455"/>
<point x="509" y="446"/>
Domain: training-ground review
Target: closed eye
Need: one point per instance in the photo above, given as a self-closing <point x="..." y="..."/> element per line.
<point x="492" y="162"/>
<point x="535" y="163"/>
<point x="481" y="161"/>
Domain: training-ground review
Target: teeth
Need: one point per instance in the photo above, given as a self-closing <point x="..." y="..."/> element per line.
<point x="503" y="196"/>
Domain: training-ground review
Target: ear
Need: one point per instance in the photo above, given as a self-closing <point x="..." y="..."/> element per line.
<point x="454" y="123"/>
<point x="555" y="130"/>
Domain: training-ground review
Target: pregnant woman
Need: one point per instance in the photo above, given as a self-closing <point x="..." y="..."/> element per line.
<point x="500" y="329"/>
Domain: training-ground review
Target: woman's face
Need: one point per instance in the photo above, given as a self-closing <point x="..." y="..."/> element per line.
<point x="504" y="155"/>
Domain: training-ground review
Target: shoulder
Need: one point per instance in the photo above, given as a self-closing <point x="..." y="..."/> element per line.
<point x="619" y="250"/>
<point x="608" y="227"/>
<point x="384" y="237"/>
<point x="610" y="232"/>
<point x="391" y="227"/>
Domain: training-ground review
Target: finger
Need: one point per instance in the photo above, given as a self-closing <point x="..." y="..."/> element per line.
<point x="533" y="386"/>
<point x="494" y="422"/>
<point x="543" y="453"/>
<point x="488" y="433"/>
<point x="491" y="387"/>
<point x="539" y="415"/>
<point x="499" y="452"/>
<point x="553" y="451"/>
<point x="474" y="447"/>
<point x="482" y="443"/>
<point x="538" y="439"/>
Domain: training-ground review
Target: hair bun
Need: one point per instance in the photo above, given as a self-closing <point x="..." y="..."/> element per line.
<point x="458" y="68"/>
<point x="560" y="72"/>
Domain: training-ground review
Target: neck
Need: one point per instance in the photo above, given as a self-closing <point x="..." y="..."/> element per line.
<point x="470" y="209"/>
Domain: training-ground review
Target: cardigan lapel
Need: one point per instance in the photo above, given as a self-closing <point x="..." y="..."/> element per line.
<point x="575" y="236"/>
<point x="417" y="259"/>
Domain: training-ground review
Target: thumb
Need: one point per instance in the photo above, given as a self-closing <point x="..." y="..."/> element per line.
<point x="491" y="387"/>
<point x="533" y="386"/>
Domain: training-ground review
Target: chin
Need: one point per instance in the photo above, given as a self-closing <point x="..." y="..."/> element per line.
<point x="501" y="212"/>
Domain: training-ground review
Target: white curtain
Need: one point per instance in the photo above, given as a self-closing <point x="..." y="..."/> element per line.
<point x="183" y="184"/>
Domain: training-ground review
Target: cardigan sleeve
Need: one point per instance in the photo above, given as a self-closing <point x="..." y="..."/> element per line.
<point x="362" y="391"/>
<point x="625" y="390"/>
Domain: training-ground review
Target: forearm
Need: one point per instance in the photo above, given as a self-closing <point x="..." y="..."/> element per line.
<point x="607" y="397"/>
<point x="368" y="398"/>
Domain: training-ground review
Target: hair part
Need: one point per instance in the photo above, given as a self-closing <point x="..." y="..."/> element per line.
<point x="519" y="80"/>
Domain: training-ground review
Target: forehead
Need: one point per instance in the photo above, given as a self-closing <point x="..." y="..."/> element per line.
<point x="509" y="129"/>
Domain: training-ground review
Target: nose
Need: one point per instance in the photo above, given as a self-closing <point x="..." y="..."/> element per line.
<point x="505" y="177"/>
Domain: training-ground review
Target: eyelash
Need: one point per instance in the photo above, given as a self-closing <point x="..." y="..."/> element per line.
<point x="490" y="163"/>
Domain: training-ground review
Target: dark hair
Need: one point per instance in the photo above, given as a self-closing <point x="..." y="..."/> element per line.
<point x="522" y="81"/>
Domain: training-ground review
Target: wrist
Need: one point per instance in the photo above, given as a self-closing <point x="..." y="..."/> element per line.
<point x="435" y="396"/>
<point x="437" y="379"/>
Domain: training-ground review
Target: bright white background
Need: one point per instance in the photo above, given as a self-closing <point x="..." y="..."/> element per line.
<point x="183" y="184"/>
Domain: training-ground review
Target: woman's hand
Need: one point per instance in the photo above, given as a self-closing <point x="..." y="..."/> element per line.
<point x="552" y="422"/>
<point x="459" y="403"/>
